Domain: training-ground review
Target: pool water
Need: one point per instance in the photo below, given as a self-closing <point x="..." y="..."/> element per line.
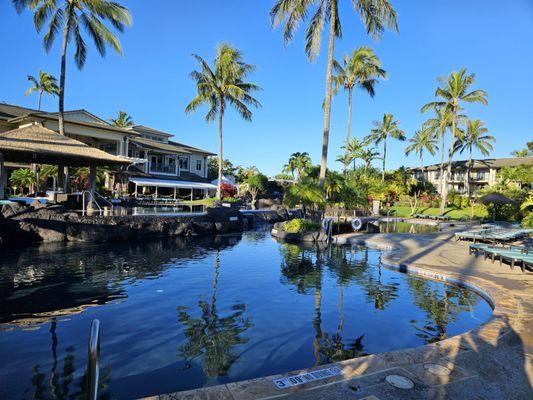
<point x="406" y="227"/>
<point x="185" y="313"/>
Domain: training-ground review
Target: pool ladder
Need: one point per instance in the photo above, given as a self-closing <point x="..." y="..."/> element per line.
<point x="93" y="361"/>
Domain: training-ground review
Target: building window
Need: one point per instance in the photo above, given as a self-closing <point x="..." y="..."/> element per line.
<point x="163" y="164"/>
<point x="198" y="165"/>
<point x="184" y="163"/>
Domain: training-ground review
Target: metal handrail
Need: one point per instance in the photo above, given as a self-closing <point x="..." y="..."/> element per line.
<point x="104" y="199"/>
<point x="93" y="362"/>
<point x="91" y="198"/>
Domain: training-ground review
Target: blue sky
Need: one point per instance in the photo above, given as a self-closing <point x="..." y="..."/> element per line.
<point x="490" y="37"/>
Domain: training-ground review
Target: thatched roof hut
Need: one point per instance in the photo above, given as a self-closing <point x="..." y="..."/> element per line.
<point x="39" y="145"/>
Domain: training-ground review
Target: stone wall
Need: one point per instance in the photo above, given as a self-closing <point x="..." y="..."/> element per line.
<point x="40" y="223"/>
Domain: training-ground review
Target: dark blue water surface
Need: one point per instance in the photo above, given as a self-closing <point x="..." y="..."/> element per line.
<point x="182" y="313"/>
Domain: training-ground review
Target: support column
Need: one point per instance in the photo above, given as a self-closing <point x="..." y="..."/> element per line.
<point x="60" y="177"/>
<point x="3" y="177"/>
<point x="156" y="192"/>
<point x="174" y="193"/>
<point x="67" y="179"/>
<point x="136" y="190"/>
<point x="192" y="194"/>
<point x="92" y="185"/>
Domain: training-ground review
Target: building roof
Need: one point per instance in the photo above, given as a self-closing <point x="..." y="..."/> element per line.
<point x="37" y="144"/>
<point x="16" y="114"/>
<point x="147" y="129"/>
<point x="486" y="163"/>
<point x="154" y="144"/>
<point x="193" y="149"/>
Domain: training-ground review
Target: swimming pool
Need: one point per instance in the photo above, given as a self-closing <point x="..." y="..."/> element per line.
<point x="407" y="227"/>
<point x="185" y="313"/>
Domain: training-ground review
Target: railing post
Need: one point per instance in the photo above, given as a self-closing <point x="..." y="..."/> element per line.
<point x="93" y="362"/>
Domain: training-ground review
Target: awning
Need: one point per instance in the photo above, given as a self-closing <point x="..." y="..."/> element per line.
<point x="172" y="183"/>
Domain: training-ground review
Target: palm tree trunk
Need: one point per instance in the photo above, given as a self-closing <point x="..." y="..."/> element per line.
<point x="443" y="133"/>
<point x="468" y="174"/>
<point x="219" y="182"/>
<point x="444" y="194"/>
<point x="349" y="125"/>
<point x="422" y="167"/>
<point x="327" y="104"/>
<point x="384" y="158"/>
<point x="66" y="32"/>
<point x="40" y="96"/>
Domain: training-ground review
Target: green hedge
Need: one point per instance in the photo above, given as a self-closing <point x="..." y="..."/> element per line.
<point x="299" y="225"/>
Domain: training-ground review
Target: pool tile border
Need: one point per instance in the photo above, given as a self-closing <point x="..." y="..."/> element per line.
<point x="506" y="313"/>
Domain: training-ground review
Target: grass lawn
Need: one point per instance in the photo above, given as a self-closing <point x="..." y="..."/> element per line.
<point x="453" y="213"/>
<point x="200" y="202"/>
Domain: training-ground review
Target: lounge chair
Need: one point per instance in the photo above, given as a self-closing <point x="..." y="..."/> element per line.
<point x="513" y="254"/>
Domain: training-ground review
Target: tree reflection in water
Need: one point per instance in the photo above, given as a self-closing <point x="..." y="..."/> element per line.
<point x="441" y="309"/>
<point x="212" y="337"/>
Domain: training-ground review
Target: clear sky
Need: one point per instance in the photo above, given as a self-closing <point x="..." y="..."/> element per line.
<point x="492" y="38"/>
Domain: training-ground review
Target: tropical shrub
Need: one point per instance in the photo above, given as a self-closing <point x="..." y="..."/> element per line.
<point x="228" y="190"/>
<point x="22" y="178"/>
<point x="306" y="192"/>
<point x="300" y="225"/>
<point x="256" y="184"/>
<point x="527" y="221"/>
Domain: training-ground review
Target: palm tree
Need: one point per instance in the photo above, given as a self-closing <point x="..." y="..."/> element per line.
<point x="369" y="155"/>
<point x="453" y="91"/>
<point x="22" y="178"/>
<point x="224" y="83"/>
<point x="476" y="137"/>
<point x="422" y="140"/>
<point x="382" y="130"/>
<point x="375" y="14"/>
<point x="45" y="83"/>
<point x="438" y="126"/>
<point x="352" y="149"/>
<point x="362" y="69"/>
<point x="68" y="15"/>
<point x="123" y="120"/>
<point x="299" y="162"/>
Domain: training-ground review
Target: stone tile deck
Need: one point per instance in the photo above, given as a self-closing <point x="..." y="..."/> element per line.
<point x="494" y="361"/>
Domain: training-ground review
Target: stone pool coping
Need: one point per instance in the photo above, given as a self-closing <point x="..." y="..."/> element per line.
<point x="509" y="316"/>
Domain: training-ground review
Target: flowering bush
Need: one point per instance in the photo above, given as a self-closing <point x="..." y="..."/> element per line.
<point x="228" y="190"/>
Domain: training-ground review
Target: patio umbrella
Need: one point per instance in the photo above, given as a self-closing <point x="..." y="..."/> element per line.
<point x="495" y="199"/>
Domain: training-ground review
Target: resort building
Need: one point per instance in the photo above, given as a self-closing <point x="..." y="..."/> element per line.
<point x="482" y="174"/>
<point x="153" y="160"/>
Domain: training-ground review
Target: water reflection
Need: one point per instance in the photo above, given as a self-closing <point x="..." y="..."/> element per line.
<point x="184" y="313"/>
<point x="211" y="336"/>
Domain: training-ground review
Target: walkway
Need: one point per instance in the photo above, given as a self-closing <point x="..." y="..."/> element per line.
<point x="492" y="362"/>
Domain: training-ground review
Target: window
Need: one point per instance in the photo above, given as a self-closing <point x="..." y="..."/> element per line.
<point x="163" y="164"/>
<point x="184" y="163"/>
<point x="198" y="165"/>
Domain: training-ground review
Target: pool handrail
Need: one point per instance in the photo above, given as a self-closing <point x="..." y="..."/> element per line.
<point x="93" y="361"/>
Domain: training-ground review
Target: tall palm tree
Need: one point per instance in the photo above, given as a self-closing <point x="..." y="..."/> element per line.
<point x="476" y="137"/>
<point x="422" y="140"/>
<point x="362" y="69"/>
<point x="69" y="16"/>
<point x="224" y="83"/>
<point x="45" y="83"/>
<point x="299" y="162"/>
<point x="438" y="125"/>
<point x="454" y="90"/>
<point x="375" y="14"/>
<point x="382" y="130"/>
<point x="123" y="120"/>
